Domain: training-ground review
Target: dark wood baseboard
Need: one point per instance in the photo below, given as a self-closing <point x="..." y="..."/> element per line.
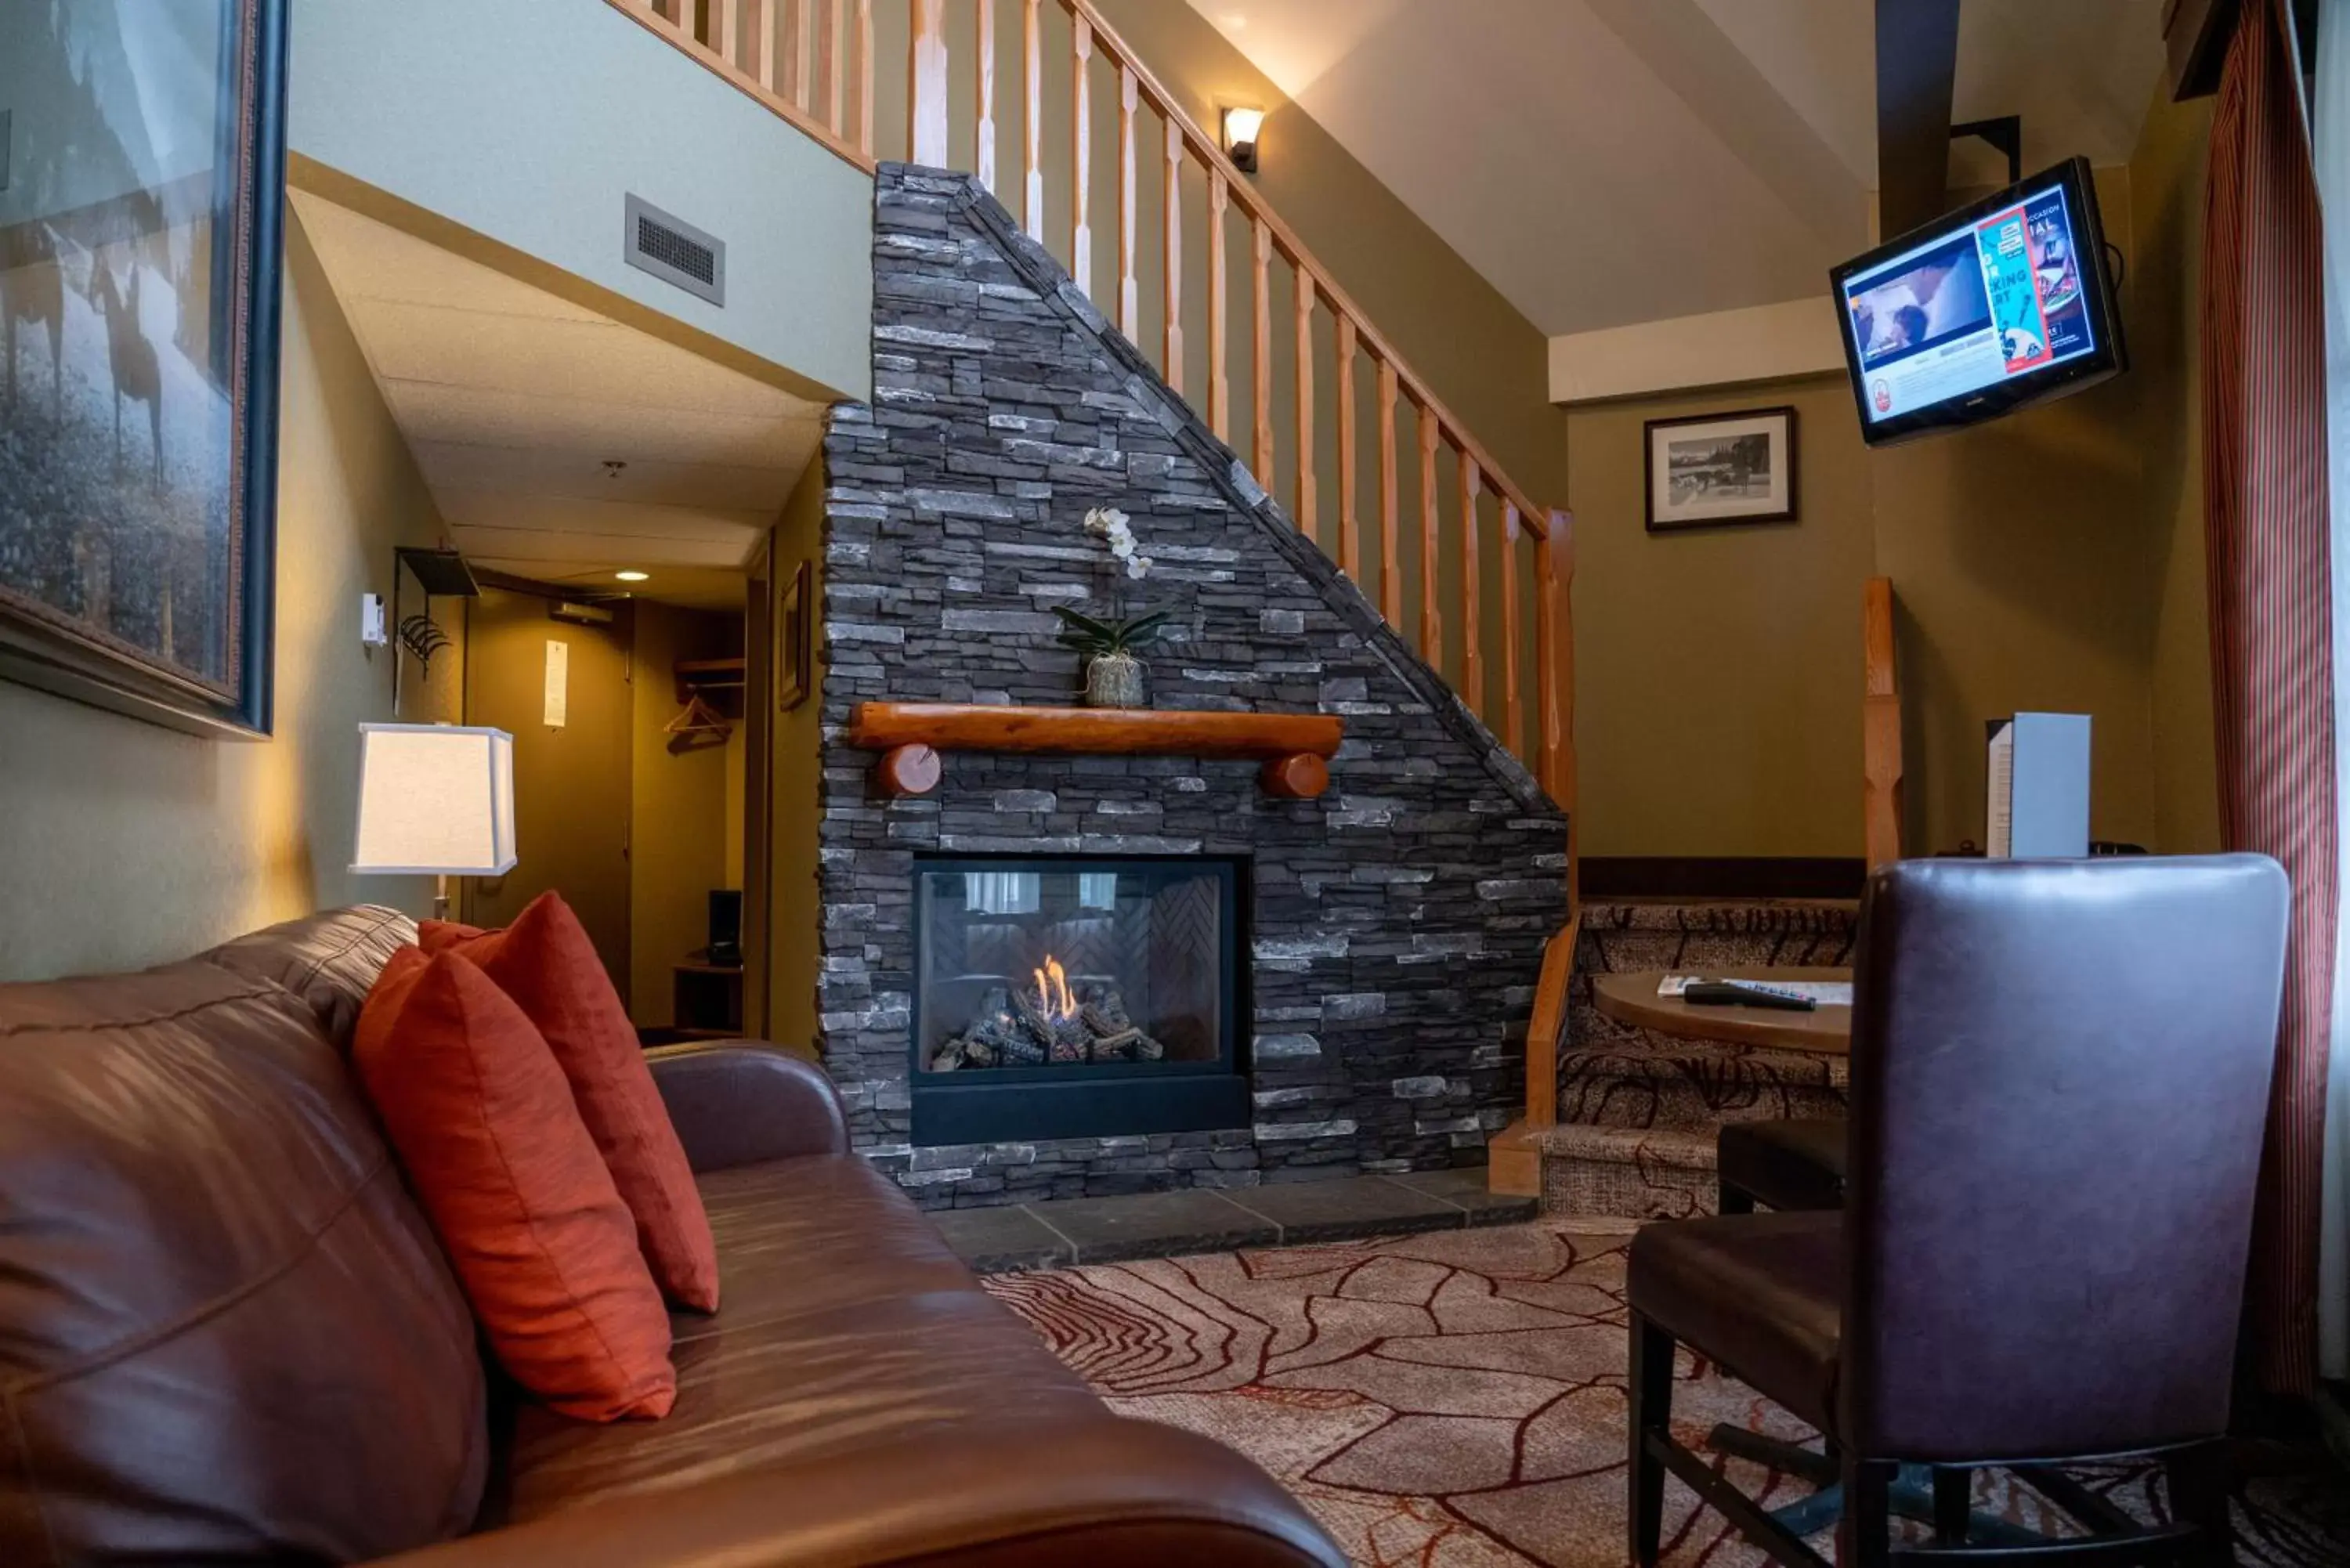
<point x="1721" y="876"/>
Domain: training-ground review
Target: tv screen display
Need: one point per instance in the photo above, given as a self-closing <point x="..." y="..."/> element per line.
<point x="1982" y="312"/>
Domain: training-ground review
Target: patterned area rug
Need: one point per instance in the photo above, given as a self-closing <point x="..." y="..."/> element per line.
<point x="1456" y="1399"/>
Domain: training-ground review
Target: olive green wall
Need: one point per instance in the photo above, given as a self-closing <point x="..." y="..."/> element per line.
<point x="684" y="837"/>
<point x="2167" y="203"/>
<point x="1718" y="670"/>
<point x="125" y="843"/>
<point x="796" y="778"/>
<point x="2051" y="560"/>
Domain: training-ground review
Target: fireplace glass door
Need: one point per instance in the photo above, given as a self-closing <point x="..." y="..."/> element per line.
<point x="1049" y="968"/>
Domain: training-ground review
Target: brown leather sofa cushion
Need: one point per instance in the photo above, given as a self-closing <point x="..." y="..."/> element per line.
<point x="226" y="1331"/>
<point x="846" y="1326"/>
<point x="329" y="960"/>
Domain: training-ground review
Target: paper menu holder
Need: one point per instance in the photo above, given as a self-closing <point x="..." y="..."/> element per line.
<point x="2039" y="787"/>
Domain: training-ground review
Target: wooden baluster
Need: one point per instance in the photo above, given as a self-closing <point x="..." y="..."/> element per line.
<point x="829" y="56"/>
<point x="1032" y="134"/>
<point x="1350" y="544"/>
<point x="1130" y="292"/>
<point x="1431" y="613"/>
<point x="865" y="77"/>
<point x="760" y="19"/>
<point x="1220" y="386"/>
<point x="726" y="29"/>
<point x="1472" y="645"/>
<point x="1081" y="156"/>
<point x="1305" y="403"/>
<point x="1171" y="369"/>
<point x="1261" y="457"/>
<point x="1513" y="719"/>
<point x="1390" y="524"/>
<point x="793" y="45"/>
<point x="1555" y="647"/>
<point x="984" y="71"/>
<point x="681" y="15"/>
<point x="804" y="52"/>
<point x="926" y="85"/>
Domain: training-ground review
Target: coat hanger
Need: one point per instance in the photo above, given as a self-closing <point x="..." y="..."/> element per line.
<point x="699" y="719"/>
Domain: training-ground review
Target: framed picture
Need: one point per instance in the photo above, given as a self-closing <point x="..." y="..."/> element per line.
<point x="139" y="214"/>
<point x="795" y="641"/>
<point x="1722" y="468"/>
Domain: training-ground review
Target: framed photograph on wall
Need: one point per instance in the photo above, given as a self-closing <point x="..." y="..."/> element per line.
<point x="140" y="215"/>
<point x="795" y="641"/>
<point x="1719" y="469"/>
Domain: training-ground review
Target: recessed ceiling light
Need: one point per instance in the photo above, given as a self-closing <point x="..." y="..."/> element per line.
<point x="632" y="577"/>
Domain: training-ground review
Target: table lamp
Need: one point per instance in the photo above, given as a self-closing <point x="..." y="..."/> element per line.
<point x="436" y="800"/>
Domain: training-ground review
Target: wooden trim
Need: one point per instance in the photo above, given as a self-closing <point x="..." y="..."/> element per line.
<point x="1513" y="717"/>
<point x="1880" y="727"/>
<point x="926" y="84"/>
<point x="1696" y="876"/>
<point x="780" y="107"/>
<point x="1548" y="1021"/>
<point x="1390" y="524"/>
<point x="1081" y="157"/>
<point x="1473" y="644"/>
<point x="1220" y="386"/>
<point x="1130" y="292"/>
<point x="1032" y="129"/>
<point x="1261" y="454"/>
<point x="1093" y="731"/>
<point x="1431" y="608"/>
<point x="1170" y="370"/>
<point x="1304" y="299"/>
<point x="983" y="98"/>
<point x="1350" y="539"/>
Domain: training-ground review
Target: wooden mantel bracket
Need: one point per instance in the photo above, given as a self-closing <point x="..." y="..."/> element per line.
<point x="1295" y="748"/>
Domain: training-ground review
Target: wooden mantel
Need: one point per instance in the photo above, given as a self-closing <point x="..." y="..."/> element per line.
<point x="1295" y="748"/>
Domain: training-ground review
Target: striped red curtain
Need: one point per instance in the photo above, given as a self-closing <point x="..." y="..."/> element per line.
<point x="2265" y="480"/>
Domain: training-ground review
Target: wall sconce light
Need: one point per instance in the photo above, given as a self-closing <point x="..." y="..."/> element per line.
<point x="1241" y="127"/>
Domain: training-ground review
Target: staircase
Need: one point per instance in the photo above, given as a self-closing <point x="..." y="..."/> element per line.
<point x="1637" y="1110"/>
<point x="1457" y="558"/>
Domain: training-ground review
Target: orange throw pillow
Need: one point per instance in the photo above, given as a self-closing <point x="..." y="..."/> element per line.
<point x="546" y="961"/>
<point x="486" y="1129"/>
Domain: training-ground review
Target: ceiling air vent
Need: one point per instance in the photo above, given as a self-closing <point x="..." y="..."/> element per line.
<point x="674" y="250"/>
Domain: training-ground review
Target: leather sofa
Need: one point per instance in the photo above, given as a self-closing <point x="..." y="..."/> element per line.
<point x="227" y="1335"/>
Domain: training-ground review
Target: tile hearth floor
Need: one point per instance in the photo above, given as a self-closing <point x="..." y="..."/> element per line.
<point x="1204" y="1220"/>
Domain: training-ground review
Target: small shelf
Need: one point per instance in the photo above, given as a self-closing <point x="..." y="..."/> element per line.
<point x="1294" y="747"/>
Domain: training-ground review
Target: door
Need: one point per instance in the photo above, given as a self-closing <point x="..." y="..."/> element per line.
<point x="571" y="781"/>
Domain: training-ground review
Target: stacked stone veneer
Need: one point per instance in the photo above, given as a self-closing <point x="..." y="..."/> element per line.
<point x="1397" y="922"/>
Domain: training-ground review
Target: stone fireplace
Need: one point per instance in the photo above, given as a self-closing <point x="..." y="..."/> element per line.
<point x="1074" y="996"/>
<point x="1384" y="940"/>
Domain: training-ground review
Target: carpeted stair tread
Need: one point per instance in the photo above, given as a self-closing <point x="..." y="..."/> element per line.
<point x="1670" y="1147"/>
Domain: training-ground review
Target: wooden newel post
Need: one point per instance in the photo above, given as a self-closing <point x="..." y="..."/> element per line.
<point x="1880" y="727"/>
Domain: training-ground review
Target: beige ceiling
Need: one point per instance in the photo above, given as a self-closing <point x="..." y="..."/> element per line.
<point x="515" y="404"/>
<point x="1609" y="162"/>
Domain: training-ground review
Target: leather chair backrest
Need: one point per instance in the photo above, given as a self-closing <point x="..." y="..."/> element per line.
<point x="226" y="1332"/>
<point x="2060" y="1076"/>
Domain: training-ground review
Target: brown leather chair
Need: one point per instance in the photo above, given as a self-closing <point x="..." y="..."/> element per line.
<point x="2060" y="1076"/>
<point x="1794" y="1163"/>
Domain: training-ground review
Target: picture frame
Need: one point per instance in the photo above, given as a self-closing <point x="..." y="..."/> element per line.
<point x="140" y="224"/>
<point x="1712" y="470"/>
<point x="794" y="640"/>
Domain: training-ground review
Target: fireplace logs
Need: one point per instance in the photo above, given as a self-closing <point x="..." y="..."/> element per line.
<point x="1017" y="1026"/>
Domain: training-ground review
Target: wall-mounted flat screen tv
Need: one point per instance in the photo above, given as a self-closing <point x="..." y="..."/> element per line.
<point x="1987" y="310"/>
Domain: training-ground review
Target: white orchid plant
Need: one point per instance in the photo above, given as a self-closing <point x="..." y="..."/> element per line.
<point x="1092" y="636"/>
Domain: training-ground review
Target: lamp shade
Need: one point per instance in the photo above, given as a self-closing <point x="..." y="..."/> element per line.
<point x="436" y="799"/>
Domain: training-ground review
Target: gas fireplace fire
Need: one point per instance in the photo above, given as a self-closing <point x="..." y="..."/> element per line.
<point x="1066" y="972"/>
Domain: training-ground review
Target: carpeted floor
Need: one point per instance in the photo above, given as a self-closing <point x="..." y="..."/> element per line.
<point x="1456" y="1398"/>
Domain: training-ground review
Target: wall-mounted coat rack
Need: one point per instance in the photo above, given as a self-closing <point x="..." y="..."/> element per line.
<point x="441" y="574"/>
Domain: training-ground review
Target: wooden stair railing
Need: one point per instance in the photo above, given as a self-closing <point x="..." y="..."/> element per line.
<point x="813" y="62"/>
<point x="1880" y="727"/>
